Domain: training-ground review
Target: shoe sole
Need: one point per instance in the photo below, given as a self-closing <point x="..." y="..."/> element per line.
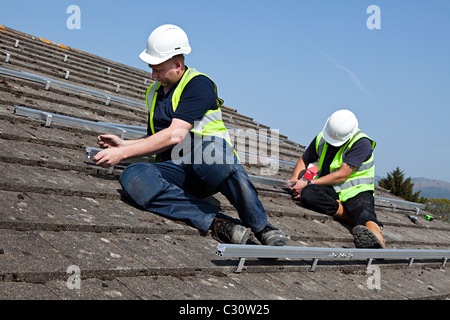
<point x="240" y="236"/>
<point x="275" y="239"/>
<point x="364" y="238"/>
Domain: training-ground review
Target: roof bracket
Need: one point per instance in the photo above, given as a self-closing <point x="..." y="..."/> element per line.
<point x="314" y="265"/>
<point x="369" y="263"/>
<point x="240" y="265"/>
<point x="48" y="120"/>
<point x="110" y="170"/>
<point x="47" y="85"/>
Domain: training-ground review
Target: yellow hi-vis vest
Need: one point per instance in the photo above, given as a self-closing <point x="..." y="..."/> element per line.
<point x="362" y="179"/>
<point x="210" y="125"/>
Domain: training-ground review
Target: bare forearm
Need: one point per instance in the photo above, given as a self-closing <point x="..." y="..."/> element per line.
<point x="300" y="169"/>
<point x="149" y="146"/>
<point x="130" y="142"/>
<point x="336" y="177"/>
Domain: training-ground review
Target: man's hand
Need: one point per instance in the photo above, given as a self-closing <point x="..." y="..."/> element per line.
<point x="108" y="157"/>
<point x="296" y="190"/>
<point x="109" y="141"/>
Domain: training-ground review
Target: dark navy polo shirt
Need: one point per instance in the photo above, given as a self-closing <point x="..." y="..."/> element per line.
<point x="197" y="98"/>
<point x="360" y="152"/>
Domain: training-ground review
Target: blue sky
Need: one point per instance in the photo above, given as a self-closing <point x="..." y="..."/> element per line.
<point x="289" y="64"/>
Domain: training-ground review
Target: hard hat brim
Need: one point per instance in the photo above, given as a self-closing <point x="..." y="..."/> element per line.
<point x="148" y="59"/>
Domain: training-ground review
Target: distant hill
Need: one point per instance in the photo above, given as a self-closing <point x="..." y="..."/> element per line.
<point x="433" y="189"/>
<point x="429" y="188"/>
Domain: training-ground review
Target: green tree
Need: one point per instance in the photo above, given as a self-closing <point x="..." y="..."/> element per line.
<point x="395" y="181"/>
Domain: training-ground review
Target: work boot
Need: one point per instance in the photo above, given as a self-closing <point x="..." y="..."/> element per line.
<point x="271" y="236"/>
<point x="369" y="236"/>
<point x="342" y="215"/>
<point x="229" y="231"/>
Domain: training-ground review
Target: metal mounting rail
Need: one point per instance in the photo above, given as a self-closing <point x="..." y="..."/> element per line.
<point x="401" y="202"/>
<point x="251" y="133"/>
<point x="108" y="97"/>
<point x="49" y="118"/>
<point x="136" y="132"/>
<point x="265" y="160"/>
<point x="129" y="131"/>
<point x="240" y="132"/>
<point x="285" y="184"/>
<point x="258" y="251"/>
<point x="92" y="151"/>
<point x="270" y="181"/>
<point x="52" y="82"/>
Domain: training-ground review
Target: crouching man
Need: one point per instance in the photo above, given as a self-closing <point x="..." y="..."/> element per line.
<point x="344" y="186"/>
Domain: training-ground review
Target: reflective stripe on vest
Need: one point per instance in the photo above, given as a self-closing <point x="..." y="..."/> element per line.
<point x="362" y="179"/>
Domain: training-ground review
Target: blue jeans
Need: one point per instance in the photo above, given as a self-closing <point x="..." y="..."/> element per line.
<point x="176" y="190"/>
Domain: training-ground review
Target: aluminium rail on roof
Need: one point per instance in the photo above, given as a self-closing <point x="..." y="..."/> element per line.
<point x="241" y="132"/>
<point x="78" y="54"/>
<point x="402" y="202"/>
<point x="92" y="151"/>
<point x="49" y="117"/>
<point x="285" y="184"/>
<point x="130" y="132"/>
<point x="288" y="252"/>
<point x="48" y="81"/>
<point x="108" y="97"/>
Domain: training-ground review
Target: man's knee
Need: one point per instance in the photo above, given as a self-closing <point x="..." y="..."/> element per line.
<point x="132" y="174"/>
<point x="142" y="182"/>
<point x="307" y="195"/>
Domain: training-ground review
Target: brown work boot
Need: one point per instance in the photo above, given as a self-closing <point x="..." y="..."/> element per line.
<point x="229" y="231"/>
<point x="342" y="215"/>
<point x="369" y="236"/>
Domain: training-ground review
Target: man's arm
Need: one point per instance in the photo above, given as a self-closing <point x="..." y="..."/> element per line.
<point x="299" y="170"/>
<point x="157" y="143"/>
<point x="336" y="177"/>
<point x="331" y="179"/>
<point x="113" y="141"/>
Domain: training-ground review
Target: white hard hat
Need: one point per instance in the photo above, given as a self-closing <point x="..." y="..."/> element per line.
<point x="165" y="42"/>
<point x="340" y="127"/>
